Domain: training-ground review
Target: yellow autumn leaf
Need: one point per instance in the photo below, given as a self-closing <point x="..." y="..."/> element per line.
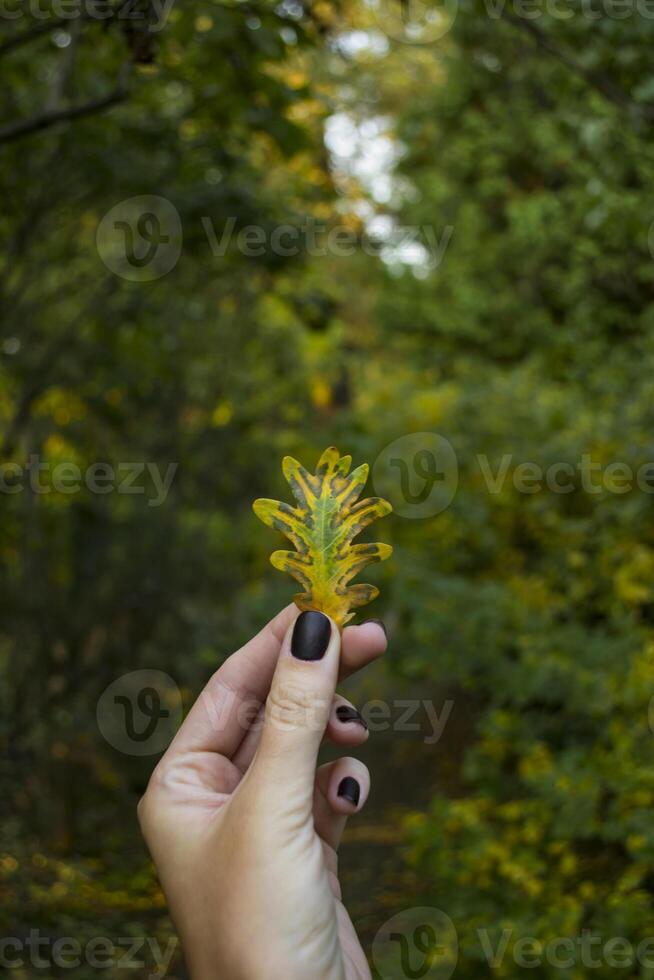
<point x="328" y="515"/>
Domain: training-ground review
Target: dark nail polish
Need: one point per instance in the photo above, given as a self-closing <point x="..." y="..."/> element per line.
<point x="345" y="713"/>
<point x="379" y="623"/>
<point x="349" y="789"/>
<point x="311" y="635"/>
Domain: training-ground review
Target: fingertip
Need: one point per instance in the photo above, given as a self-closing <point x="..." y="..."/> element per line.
<point x="349" y="791"/>
<point x="349" y="786"/>
<point x="346" y="724"/>
<point x="363" y="644"/>
<point x="376" y="622"/>
<point x="346" y="714"/>
<point x="371" y="634"/>
<point x="312" y="635"/>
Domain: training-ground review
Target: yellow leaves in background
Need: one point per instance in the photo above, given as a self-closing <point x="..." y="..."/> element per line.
<point x="634" y="579"/>
<point x="533" y="592"/>
<point x="222" y="414"/>
<point x="76" y="885"/>
<point x="296" y="79"/>
<point x="63" y="405"/>
<point x="537" y="763"/>
<point x="321" y="393"/>
<point x="430" y="406"/>
<point x="188" y="129"/>
<point x="8" y="863"/>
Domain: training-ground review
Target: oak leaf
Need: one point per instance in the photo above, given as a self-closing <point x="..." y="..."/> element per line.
<point x="327" y="516"/>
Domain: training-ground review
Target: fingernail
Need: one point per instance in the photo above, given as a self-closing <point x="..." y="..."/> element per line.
<point x="346" y="712"/>
<point x="349" y="789"/>
<point x="311" y="635"/>
<point x="379" y="623"/>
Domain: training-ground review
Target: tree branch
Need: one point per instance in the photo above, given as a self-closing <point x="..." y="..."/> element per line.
<point x="60" y="83"/>
<point x="44" y="369"/>
<point x="24" y="37"/>
<point x="25" y="127"/>
<point x="612" y="92"/>
<point x="51" y="24"/>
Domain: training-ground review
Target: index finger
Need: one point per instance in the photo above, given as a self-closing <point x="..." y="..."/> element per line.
<point x="215" y="723"/>
<point x="223" y="713"/>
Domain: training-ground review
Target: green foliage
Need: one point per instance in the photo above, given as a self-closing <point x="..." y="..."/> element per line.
<point x="530" y="341"/>
<point x="533" y="342"/>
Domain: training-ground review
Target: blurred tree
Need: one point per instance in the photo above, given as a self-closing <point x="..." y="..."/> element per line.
<point x="199" y="373"/>
<point x="530" y="341"/>
<point x="527" y="337"/>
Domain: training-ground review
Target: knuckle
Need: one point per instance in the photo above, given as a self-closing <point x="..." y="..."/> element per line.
<point x="335" y="884"/>
<point x="291" y="704"/>
<point x="142" y="808"/>
<point x="153" y="806"/>
<point x="148" y="802"/>
<point x="162" y="779"/>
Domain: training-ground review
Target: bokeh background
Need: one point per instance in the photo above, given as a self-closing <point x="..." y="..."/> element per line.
<point x="514" y="318"/>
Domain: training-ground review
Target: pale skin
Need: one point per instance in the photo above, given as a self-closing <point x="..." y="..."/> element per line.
<point x="243" y="825"/>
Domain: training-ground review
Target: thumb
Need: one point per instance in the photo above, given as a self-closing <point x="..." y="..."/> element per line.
<point x="298" y="708"/>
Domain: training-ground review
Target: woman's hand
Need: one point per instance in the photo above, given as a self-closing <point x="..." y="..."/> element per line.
<point x="244" y="829"/>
